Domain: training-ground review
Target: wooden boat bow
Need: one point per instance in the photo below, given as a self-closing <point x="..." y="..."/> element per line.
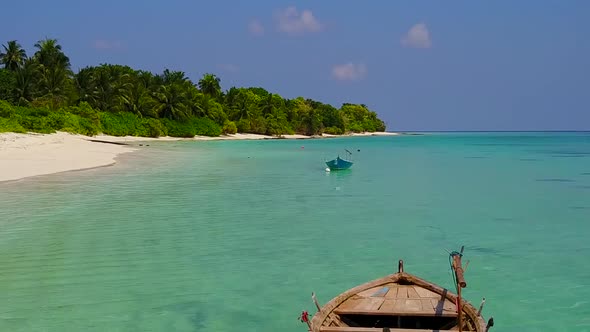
<point x="400" y="302"/>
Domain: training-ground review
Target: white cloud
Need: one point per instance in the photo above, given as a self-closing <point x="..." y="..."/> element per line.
<point x="228" y="67"/>
<point x="349" y="71"/>
<point x="102" y="44"/>
<point x="418" y="37"/>
<point x="293" y="22"/>
<point x="256" y="28"/>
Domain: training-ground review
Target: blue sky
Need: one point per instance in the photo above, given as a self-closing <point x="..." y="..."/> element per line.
<point x="421" y="65"/>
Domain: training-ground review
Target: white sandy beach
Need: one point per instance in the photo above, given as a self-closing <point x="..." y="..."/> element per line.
<point x="26" y="155"/>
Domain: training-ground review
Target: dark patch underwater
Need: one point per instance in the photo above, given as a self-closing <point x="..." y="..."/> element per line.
<point x="554" y="180"/>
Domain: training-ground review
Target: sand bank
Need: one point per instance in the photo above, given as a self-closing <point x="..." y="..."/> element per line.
<point x="26" y="155"/>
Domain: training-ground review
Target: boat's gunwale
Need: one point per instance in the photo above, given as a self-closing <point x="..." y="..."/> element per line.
<point x="319" y="318"/>
<point x="334" y="164"/>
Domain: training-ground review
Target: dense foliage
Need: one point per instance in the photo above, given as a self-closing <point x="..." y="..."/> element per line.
<point x="41" y="93"/>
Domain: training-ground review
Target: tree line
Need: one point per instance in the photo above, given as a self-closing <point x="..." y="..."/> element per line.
<point x="42" y="93"/>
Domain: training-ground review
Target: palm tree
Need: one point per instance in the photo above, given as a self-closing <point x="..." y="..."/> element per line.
<point x="147" y="80"/>
<point x="13" y="56"/>
<point x="25" y="78"/>
<point x="49" y="54"/>
<point x="52" y="85"/>
<point x="312" y="122"/>
<point x="110" y="83"/>
<point x="230" y="96"/>
<point x="194" y="100"/>
<point x="171" y="102"/>
<point x="231" y="103"/>
<point x="85" y="85"/>
<point x="169" y="77"/>
<point x="54" y="71"/>
<point x="210" y="84"/>
<point x="136" y="99"/>
<point x="267" y="105"/>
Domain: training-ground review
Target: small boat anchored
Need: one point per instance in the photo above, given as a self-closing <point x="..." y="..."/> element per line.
<point x="400" y="302"/>
<point x="339" y="163"/>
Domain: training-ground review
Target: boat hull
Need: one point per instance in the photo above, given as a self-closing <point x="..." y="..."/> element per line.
<point x="399" y="301"/>
<point x="339" y="164"/>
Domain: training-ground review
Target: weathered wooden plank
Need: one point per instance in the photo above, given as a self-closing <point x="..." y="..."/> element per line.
<point x="392" y="292"/>
<point x="410" y="305"/>
<point x="369" y="329"/>
<point x="369" y="292"/>
<point x="388" y="305"/>
<point x="423" y="313"/>
<point x="425" y="292"/>
<point x="351" y="303"/>
<point x="402" y="293"/>
<point x="335" y="320"/>
<point x="377" y="302"/>
<point x="443" y="305"/>
<point x="412" y="294"/>
<point x="381" y="292"/>
<point x="427" y="304"/>
<point x="413" y="305"/>
<point x="370" y="303"/>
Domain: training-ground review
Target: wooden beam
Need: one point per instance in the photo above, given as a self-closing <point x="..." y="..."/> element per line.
<point x="371" y="329"/>
<point x="423" y="313"/>
<point x="459" y="271"/>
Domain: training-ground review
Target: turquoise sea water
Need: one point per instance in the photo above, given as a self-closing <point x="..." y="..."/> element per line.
<point x="235" y="235"/>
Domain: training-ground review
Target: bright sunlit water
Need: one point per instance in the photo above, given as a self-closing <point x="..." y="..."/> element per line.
<point x="235" y="235"/>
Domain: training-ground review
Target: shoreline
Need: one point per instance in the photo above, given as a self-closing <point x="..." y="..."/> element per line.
<point x="230" y="137"/>
<point x="28" y="155"/>
<point x="33" y="154"/>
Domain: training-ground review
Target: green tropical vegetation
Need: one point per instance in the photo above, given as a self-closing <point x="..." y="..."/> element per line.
<point x="41" y="93"/>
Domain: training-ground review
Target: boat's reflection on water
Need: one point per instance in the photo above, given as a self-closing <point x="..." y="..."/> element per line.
<point x="343" y="173"/>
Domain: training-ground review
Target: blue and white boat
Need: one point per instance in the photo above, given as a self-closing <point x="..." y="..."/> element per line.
<point x="339" y="163"/>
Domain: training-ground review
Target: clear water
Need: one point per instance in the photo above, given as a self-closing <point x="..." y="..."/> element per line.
<point x="234" y="236"/>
